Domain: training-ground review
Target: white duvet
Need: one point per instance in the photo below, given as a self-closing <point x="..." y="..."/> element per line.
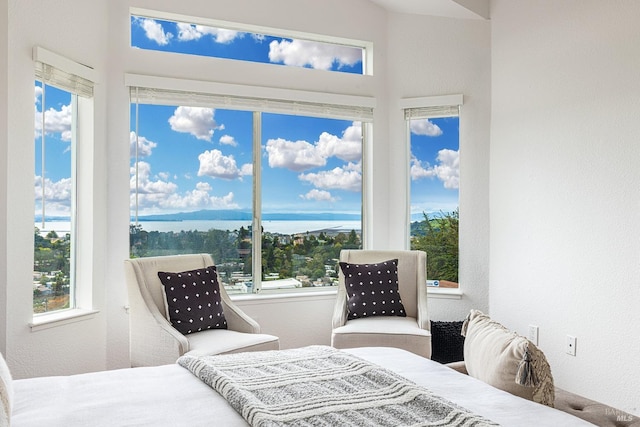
<point x="170" y="395"/>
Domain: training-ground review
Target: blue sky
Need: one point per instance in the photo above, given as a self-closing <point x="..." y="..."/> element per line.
<point x="57" y="184"/>
<point x="192" y="158"/>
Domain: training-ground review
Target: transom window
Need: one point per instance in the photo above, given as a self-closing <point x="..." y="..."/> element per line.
<point x="196" y="36"/>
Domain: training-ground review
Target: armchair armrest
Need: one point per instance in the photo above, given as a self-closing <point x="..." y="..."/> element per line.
<point x="340" y="309"/>
<point x="237" y="320"/>
<point x="157" y="342"/>
<point x="421" y="289"/>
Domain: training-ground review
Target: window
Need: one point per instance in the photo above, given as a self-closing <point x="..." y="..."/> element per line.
<point x="273" y="196"/>
<point x="154" y="30"/>
<point x="434" y="141"/>
<point x="63" y="99"/>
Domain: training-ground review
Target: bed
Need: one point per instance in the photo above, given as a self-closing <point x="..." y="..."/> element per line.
<point x="170" y="395"/>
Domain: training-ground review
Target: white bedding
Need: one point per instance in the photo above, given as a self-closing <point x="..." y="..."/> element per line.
<point x="170" y="395"/>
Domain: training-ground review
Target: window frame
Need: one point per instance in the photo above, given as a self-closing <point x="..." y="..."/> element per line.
<point x="427" y="107"/>
<point x="79" y="81"/>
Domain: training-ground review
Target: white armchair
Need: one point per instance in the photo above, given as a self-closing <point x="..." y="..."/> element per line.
<point x="411" y="332"/>
<point x="154" y="341"/>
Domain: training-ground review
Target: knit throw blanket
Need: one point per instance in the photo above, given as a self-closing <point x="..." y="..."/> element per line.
<point x="322" y="386"/>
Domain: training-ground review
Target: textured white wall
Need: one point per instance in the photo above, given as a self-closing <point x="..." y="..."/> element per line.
<point x="565" y="198"/>
<point x="441" y="56"/>
<point x="299" y="321"/>
<point x="69" y="28"/>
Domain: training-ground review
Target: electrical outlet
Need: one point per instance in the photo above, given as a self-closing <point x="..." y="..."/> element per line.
<point x="571" y="345"/>
<point x="533" y="334"/>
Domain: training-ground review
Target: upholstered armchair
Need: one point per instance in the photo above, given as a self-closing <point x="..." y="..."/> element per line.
<point x="411" y="332"/>
<point x="154" y="341"/>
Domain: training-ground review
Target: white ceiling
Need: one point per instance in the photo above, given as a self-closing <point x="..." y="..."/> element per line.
<point x="465" y="9"/>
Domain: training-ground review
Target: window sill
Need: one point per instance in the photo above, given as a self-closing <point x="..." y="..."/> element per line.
<point x="60" y="318"/>
<point x="444" y="293"/>
<point x="433" y="292"/>
<point x="302" y="295"/>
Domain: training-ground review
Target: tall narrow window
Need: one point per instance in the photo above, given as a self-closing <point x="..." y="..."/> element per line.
<point x="272" y="196"/>
<point x="434" y="140"/>
<point x="57" y="94"/>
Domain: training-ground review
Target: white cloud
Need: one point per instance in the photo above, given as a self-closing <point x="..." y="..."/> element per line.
<point x="318" y="195"/>
<point x="146" y="185"/>
<point x="348" y="148"/>
<point x="424" y="127"/>
<point x="154" y="31"/>
<point x="145" y="147"/>
<point x="314" y="54"/>
<point x="447" y="170"/>
<point x="199" y="198"/>
<point x="55" y="121"/>
<point x="346" y="178"/>
<point x="215" y="164"/>
<point x="188" y="32"/>
<point x="228" y="140"/>
<point x="57" y="195"/>
<point x="299" y="156"/>
<point x="420" y="170"/>
<point x="296" y="156"/>
<point x="38" y="94"/>
<point x="246" y="169"/>
<point x="198" y="121"/>
<point x="161" y="195"/>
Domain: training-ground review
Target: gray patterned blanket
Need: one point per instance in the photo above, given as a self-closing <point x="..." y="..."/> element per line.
<point x="322" y="386"/>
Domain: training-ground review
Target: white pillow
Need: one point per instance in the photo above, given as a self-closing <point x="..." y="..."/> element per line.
<point x="506" y="360"/>
<point x="6" y="393"/>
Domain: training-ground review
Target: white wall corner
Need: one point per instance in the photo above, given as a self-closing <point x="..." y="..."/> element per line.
<point x="478" y="7"/>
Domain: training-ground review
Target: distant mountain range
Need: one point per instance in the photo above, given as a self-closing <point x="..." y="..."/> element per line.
<point x="234" y="215"/>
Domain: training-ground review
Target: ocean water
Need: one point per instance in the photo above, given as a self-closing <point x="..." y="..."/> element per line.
<point x="282" y="227"/>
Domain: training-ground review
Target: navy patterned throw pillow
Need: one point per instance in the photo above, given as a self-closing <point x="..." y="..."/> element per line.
<point x="193" y="300"/>
<point x="372" y="289"/>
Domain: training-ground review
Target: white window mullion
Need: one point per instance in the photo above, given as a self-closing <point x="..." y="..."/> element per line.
<point x="43" y="151"/>
<point x="256" y="231"/>
<point x="137" y="125"/>
<point x="74" y="199"/>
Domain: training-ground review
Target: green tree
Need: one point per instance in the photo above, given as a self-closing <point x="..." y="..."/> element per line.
<point x="439" y="239"/>
<point x="352" y="241"/>
<point x="137" y="241"/>
<point x="59" y="284"/>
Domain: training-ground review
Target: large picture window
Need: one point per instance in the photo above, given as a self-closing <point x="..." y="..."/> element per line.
<point x="434" y="140"/>
<point x="272" y="196"/>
